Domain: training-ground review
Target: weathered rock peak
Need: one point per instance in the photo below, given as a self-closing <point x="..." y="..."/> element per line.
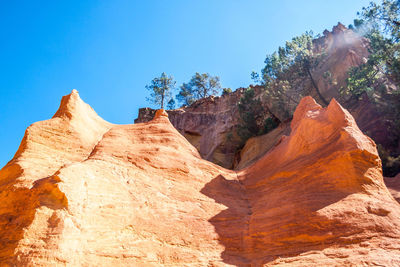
<point x="68" y="137"/>
<point x="160" y="113"/>
<point x="72" y="105"/>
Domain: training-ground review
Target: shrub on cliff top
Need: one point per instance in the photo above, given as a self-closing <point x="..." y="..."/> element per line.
<point x="287" y="75"/>
<point x="253" y="115"/>
<point x="199" y="86"/>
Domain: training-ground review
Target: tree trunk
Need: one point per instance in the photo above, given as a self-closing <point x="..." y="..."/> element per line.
<point x="162" y="98"/>
<point x="316" y="88"/>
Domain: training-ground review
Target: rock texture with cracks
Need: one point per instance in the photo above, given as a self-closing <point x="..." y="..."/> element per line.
<point x="83" y="192"/>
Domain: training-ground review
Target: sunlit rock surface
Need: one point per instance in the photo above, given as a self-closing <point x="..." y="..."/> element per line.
<point x="83" y="192"/>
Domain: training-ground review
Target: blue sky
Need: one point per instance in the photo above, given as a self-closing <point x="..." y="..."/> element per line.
<point x="109" y="50"/>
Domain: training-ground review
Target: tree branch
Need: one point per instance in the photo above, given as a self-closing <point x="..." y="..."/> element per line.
<point x="316" y="87"/>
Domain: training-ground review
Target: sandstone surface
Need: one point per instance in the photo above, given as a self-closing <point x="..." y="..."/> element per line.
<point x="84" y="192"/>
<point x="257" y="146"/>
<point x="393" y="184"/>
<point x="319" y="196"/>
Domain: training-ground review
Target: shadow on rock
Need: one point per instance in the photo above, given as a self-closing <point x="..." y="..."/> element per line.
<point x="288" y="215"/>
<point x="232" y="224"/>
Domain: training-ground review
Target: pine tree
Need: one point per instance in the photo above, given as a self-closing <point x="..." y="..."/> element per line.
<point x="199" y="86"/>
<point x="160" y="89"/>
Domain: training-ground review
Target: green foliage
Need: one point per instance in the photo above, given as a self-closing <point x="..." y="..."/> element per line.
<point x="185" y="95"/>
<point x="390" y="164"/>
<point x="357" y="25"/>
<point x="256" y="77"/>
<point x="252" y="115"/>
<point x="270" y="124"/>
<point x="171" y="104"/>
<point x="382" y="64"/>
<point x="226" y="91"/>
<point x="297" y="53"/>
<point x="383" y="17"/>
<point x="362" y="79"/>
<point x="285" y="72"/>
<point x="379" y="77"/>
<point x="328" y="78"/>
<point x="199" y="86"/>
<point x="160" y="89"/>
<point x="381" y="25"/>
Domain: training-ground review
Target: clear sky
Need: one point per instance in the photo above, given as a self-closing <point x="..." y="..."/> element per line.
<point x="109" y="50"/>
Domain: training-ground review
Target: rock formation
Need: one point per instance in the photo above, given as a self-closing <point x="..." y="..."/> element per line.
<point x="83" y="192"/>
<point x="344" y="49"/>
<point x="257" y="146"/>
<point x="319" y="196"/>
<point x="209" y="122"/>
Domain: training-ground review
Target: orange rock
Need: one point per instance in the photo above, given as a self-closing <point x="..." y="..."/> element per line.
<point x="393" y="185"/>
<point x="257" y="146"/>
<point x="82" y="191"/>
<point x="318" y="198"/>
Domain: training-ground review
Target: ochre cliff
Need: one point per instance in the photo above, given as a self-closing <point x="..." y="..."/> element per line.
<point x="344" y="49"/>
<point x="83" y="192"/>
<point x="319" y="195"/>
<point x="207" y="125"/>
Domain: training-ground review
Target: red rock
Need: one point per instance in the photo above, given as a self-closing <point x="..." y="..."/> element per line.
<point x="81" y="191"/>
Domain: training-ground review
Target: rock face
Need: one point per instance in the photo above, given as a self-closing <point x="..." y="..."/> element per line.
<point x="321" y="186"/>
<point x="257" y="146"/>
<point x="83" y="192"/>
<point x="209" y="125"/>
<point x="344" y="49"/>
<point x="393" y="185"/>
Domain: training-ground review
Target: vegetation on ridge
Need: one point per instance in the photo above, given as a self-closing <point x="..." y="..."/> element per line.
<point x="288" y="75"/>
<point x="160" y="90"/>
<point x="379" y="78"/>
<point x="199" y="86"/>
<point x="255" y="119"/>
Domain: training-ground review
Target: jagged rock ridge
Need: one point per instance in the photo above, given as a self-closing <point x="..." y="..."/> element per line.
<point x="82" y="191"/>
